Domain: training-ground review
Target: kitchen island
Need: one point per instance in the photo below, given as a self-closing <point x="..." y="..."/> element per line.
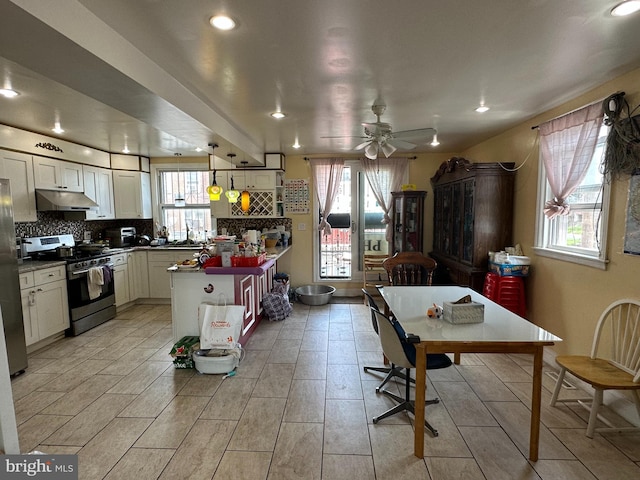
<point x="234" y="285"/>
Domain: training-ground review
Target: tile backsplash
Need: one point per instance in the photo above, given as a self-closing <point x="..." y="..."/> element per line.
<point x="236" y="226"/>
<point x="56" y="223"/>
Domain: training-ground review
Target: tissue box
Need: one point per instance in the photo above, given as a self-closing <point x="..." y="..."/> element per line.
<point x="459" y="313"/>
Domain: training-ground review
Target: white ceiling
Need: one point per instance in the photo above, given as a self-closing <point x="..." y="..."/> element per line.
<point x="154" y="71"/>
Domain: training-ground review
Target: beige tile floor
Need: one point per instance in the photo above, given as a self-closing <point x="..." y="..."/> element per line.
<point x="300" y="406"/>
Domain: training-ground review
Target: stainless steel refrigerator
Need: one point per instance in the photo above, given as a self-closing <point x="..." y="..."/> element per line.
<point x="10" y="301"/>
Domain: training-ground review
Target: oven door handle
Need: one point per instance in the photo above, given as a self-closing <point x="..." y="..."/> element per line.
<point x="81" y="272"/>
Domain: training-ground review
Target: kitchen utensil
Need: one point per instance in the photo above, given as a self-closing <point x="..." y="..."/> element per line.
<point x="64" y="251"/>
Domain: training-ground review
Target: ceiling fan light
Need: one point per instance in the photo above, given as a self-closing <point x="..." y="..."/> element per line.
<point x="387" y="149"/>
<point x="371" y="150"/>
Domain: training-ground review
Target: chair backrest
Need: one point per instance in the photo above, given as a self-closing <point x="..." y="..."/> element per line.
<point x="373" y="307"/>
<point x="392" y="346"/>
<point x="619" y="328"/>
<point x="410" y="268"/>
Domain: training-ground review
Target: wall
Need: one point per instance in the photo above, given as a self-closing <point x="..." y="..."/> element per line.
<point x="566" y="298"/>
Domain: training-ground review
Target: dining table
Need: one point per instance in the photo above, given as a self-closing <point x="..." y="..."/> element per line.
<point x="499" y="331"/>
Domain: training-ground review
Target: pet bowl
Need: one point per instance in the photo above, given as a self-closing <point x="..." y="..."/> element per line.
<point x="315" y="294"/>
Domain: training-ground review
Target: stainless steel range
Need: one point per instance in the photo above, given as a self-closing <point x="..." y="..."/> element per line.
<point x="90" y="284"/>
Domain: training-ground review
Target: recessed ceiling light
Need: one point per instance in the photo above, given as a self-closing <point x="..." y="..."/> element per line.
<point x="296" y="144"/>
<point x="222" y="22"/>
<point x="626" y="8"/>
<point x="482" y="109"/>
<point x="198" y="149"/>
<point x="7" y="92"/>
<point x="125" y="150"/>
<point x="278" y="115"/>
<point x="57" y="128"/>
<point x="435" y="142"/>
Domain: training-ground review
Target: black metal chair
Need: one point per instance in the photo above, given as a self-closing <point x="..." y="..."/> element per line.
<point x="391" y="371"/>
<point x="403" y="354"/>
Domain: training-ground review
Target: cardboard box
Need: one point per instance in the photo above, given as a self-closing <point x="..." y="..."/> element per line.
<point x="459" y="313"/>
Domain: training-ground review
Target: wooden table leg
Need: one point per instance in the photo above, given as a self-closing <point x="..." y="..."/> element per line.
<point x="421" y="394"/>
<point x="536" y="399"/>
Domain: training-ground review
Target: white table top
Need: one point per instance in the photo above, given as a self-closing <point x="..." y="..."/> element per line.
<point x="409" y="305"/>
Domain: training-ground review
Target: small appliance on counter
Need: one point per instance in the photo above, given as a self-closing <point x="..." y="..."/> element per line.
<point x="143" y="240"/>
<point x="121" y="237"/>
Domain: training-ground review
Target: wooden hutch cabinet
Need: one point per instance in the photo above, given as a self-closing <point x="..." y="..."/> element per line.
<point x="473" y="215"/>
<point x="407" y="216"/>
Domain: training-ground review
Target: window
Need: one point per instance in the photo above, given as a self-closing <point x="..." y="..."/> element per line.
<point x="193" y="220"/>
<point x="580" y="236"/>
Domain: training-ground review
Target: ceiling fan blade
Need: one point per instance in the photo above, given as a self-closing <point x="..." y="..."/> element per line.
<point x="401" y="144"/>
<point x="387" y="149"/>
<point x="420" y="134"/>
<point x="371" y="150"/>
<point x="362" y="145"/>
<point x="345" y="136"/>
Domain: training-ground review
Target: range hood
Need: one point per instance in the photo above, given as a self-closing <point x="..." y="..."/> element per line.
<point x="56" y="200"/>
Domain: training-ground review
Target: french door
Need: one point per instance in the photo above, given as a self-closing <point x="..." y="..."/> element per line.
<point x="357" y="228"/>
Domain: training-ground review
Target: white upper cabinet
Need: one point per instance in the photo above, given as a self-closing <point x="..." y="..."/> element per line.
<point x="51" y="174"/>
<point x="98" y="186"/>
<point x="255" y="179"/>
<point x="132" y="192"/>
<point x="18" y="168"/>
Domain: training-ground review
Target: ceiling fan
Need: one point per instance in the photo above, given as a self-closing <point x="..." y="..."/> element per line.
<point x="380" y="137"/>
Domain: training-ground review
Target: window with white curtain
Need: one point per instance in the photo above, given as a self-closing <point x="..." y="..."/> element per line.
<point x="193" y="220"/>
<point x="580" y="236"/>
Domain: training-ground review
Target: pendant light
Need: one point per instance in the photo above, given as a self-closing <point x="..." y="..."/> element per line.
<point x="179" y="199"/>
<point x="245" y="200"/>
<point x="214" y="190"/>
<point x="233" y="194"/>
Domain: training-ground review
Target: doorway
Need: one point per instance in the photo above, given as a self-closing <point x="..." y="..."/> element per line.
<point x="357" y="228"/>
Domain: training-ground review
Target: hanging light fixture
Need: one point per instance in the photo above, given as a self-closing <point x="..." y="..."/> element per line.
<point x="232" y="194"/>
<point x="179" y="200"/>
<point x="245" y="201"/>
<point x="214" y="190"/>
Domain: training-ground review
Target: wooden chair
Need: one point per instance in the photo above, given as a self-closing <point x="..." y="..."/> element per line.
<point x="413" y="268"/>
<point x="372" y="271"/>
<point x="409" y="268"/>
<point x="619" y="329"/>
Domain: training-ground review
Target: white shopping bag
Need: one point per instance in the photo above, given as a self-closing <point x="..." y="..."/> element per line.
<point x="220" y="325"/>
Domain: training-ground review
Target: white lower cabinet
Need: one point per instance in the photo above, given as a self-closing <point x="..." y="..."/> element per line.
<point x="159" y="277"/>
<point x="138" y="274"/>
<point x="45" y="307"/>
<point x="121" y="279"/>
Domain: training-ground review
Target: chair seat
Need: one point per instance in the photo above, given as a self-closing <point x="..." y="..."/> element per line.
<point x="598" y="372"/>
<point x="438" y="360"/>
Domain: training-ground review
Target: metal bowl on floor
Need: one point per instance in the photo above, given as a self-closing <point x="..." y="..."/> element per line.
<point x="315" y="294"/>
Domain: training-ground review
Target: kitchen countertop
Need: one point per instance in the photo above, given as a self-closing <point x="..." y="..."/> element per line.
<point x="273" y="254"/>
<point x="33" y="265"/>
<point x="29" y="265"/>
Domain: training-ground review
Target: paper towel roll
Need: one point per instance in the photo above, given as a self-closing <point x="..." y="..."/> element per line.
<point x="252" y="235"/>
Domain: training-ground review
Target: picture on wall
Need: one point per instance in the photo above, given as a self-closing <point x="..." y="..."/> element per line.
<point x="632" y="227"/>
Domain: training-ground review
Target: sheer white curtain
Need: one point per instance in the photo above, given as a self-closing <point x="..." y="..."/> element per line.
<point x="327" y="175"/>
<point x="567" y="145"/>
<point x="385" y="176"/>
